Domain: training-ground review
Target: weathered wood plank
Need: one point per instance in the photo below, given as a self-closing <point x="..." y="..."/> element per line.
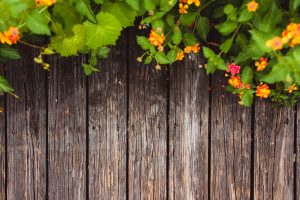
<point x="230" y="144"/>
<point x="2" y="143"/>
<point x="297" y="151"/>
<point x="26" y="129"/>
<point x="67" y="129"/>
<point x="147" y="128"/>
<point x="274" y="149"/>
<point x="107" y="126"/>
<point x="188" y="122"/>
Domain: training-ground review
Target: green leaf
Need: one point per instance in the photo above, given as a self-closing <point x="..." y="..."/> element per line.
<point x="158" y="25"/>
<point x="172" y="55"/>
<point x="208" y="53"/>
<point x="228" y="9"/>
<point x="149" y="5"/>
<point x="294" y="4"/>
<point x="103" y="52"/>
<point x="125" y="14"/>
<point x="99" y="1"/>
<point x="9" y="53"/>
<point x="38" y="23"/>
<point x="70" y="45"/>
<point x="210" y="67"/>
<point x="166" y="5"/>
<point x="161" y="58"/>
<point x="170" y="20"/>
<point x="247" y="98"/>
<point x="134" y="4"/>
<point x="89" y="69"/>
<point x="4" y="85"/>
<point x="227" y="27"/>
<point x="148" y="60"/>
<point x="225" y="46"/>
<point x="177" y="36"/>
<point x="189" y="39"/>
<point x="188" y="18"/>
<point x="245" y="15"/>
<point x="260" y="39"/>
<point x="84" y="8"/>
<point x="279" y="73"/>
<point x="247" y="75"/>
<point x="143" y="42"/>
<point x="203" y="27"/>
<point x="106" y="32"/>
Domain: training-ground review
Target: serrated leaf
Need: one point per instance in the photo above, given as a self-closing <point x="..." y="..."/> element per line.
<point x="161" y="58"/>
<point x="125" y="14"/>
<point x="4" y="85"/>
<point x="38" y="23"/>
<point x="143" y="42"/>
<point x="188" y="18"/>
<point x="203" y="27"/>
<point x="278" y="73"/>
<point x="89" y="69"/>
<point x="247" y="75"/>
<point x="9" y="53"/>
<point x="103" y="52"/>
<point x="84" y="8"/>
<point x="70" y="45"/>
<point x="106" y="32"/>
<point x="245" y="15"/>
<point x="208" y="53"/>
<point x="225" y="46"/>
<point x="134" y="4"/>
<point x="227" y="27"/>
<point x="189" y="39"/>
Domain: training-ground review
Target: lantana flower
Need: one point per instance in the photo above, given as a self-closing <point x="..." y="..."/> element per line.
<point x="275" y="43"/>
<point x="233" y="69"/>
<point x="11" y="36"/>
<point x="194" y="48"/>
<point x="45" y="2"/>
<point x="261" y="64"/>
<point x="156" y="39"/>
<point x="180" y="55"/>
<point x="263" y="91"/>
<point x="252" y="6"/>
<point x="292" y="88"/>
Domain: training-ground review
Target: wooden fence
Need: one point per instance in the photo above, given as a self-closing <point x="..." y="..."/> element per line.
<point x="130" y="132"/>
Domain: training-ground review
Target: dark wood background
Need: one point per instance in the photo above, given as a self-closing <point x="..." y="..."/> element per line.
<point x="130" y="132"/>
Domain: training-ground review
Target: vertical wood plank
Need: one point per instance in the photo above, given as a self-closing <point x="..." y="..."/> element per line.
<point x="2" y="143"/>
<point x="188" y="122"/>
<point x="67" y="129"/>
<point x="147" y="128"/>
<point x="274" y="152"/>
<point x="230" y="144"/>
<point x="107" y="126"/>
<point x="26" y="128"/>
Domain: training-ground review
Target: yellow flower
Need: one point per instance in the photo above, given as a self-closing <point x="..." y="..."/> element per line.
<point x="263" y="91"/>
<point x="292" y="88"/>
<point x="194" y="48"/>
<point x="180" y="56"/>
<point x="261" y="64"/>
<point x="252" y="6"/>
<point x="235" y="81"/>
<point x="156" y="39"/>
<point x="44" y="2"/>
<point x="276" y="43"/>
<point x="183" y="8"/>
<point x="11" y="36"/>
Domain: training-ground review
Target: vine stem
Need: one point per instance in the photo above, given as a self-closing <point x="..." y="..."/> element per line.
<point x="30" y="45"/>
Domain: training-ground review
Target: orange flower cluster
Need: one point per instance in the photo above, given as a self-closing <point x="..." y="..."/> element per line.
<point x="188" y="49"/>
<point x="184" y="5"/>
<point x="45" y="2"/>
<point x="252" y="6"/>
<point x="236" y="82"/>
<point x="11" y="36"/>
<point x="291" y="36"/>
<point x="156" y="39"/>
<point x="261" y="64"/>
<point x="263" y="91"/>
<point x="292" y="88"/>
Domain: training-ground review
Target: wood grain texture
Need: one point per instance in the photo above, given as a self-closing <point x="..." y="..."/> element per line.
<point x="274" y="152"/>
<point x="297" y="152"/>
<point x="188" y="122"/>
<point x="67" y="129"/>
<point x="230" y="144"/>
<point x="147" y="128"/>
<point x="107" y="126"/>
<point x="26" y="129"/>
<point x="2" y="142"/>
